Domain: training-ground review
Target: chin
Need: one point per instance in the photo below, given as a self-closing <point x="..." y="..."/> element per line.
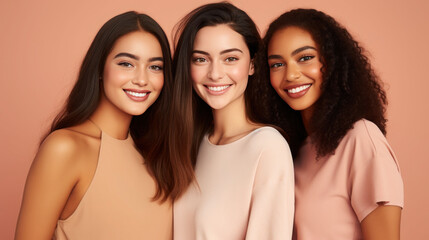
<point x="136" y="112"/>
<point x="217" y="106"/>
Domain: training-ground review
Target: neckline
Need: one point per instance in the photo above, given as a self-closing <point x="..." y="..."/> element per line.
<point x="206" y="138"/>
<point x="106" y="134"/>
<point x="103" y="133"/>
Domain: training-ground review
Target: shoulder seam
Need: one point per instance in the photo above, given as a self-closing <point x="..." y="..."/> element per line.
<point x="369" y="136"/>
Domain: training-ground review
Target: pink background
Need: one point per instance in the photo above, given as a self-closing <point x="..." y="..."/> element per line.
<point x="43" y="42"/>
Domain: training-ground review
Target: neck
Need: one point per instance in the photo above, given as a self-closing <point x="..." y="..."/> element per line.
<point x="306" y="115"/>
<point x="231" y="123"/>
<point x="111" y="120"/>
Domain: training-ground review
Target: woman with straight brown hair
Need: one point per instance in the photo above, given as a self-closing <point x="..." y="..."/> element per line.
<point x="112" y="163"/>
<point x="243" y="166"/>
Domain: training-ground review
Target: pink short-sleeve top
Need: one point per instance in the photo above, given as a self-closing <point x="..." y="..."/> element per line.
<point x="336" y="192"/>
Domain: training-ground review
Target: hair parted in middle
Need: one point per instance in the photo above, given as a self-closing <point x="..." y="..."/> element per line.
<point x="195" y="112"/>
<point x="153" y="131"/>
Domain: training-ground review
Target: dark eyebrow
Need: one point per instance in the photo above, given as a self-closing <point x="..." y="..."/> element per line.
<point x="156" y="59"/>
<point x="123" y="54"/>
<point x="296" y="51"/>
<point x="275" y="57"/>
<point x="222" y="52"/>
<point x="230" y="50"/>
<point x="201" y="52"/>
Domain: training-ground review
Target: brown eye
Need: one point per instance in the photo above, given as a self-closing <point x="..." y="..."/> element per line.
<point x="199" y="60"/>
<point x="156" y="67"/>
<point x="231" y="59"/>
<point x="125" y="64"/>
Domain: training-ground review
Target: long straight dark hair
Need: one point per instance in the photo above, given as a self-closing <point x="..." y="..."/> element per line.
<point x="162" y="149"/>
<point x="194" y="111"/>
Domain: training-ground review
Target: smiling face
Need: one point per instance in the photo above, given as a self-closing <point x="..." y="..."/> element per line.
<point x="295" y="68"/>
<point x="220" y="66"/>
<point x="133" y="73"/>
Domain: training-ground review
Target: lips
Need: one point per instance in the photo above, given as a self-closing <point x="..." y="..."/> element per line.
<point x="137" y="95"/>
<point x="297" y="91"/>
<point x="217" y="90"/>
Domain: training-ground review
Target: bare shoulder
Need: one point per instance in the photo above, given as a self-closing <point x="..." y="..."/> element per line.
<point x="65" y="159"/>
<point x="66" y="147"/>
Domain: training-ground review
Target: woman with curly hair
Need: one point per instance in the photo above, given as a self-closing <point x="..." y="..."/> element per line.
<point x="243" y="167"/>
<point x="331" y="103"/>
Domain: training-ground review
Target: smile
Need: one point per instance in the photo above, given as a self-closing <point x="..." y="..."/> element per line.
<point x="136" y="94"/>
<point x="298" y="89"/>
<point x="218" y="88"/>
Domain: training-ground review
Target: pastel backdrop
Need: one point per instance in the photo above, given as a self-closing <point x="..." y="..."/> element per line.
<point x="43" y="42"/>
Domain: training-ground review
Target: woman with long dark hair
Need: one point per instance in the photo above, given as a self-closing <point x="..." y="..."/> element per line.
<point x="110" y="167"/>
<point x="332" y="104"/>
<point x="243" y="167"/>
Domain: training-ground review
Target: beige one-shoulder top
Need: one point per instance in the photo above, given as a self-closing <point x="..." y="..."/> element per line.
<point x="117" y="204"/>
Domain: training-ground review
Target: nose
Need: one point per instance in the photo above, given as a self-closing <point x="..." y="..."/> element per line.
<point x="140" y="77"/>
<point x="216" y="71"/>
<point x="293" y="72"/>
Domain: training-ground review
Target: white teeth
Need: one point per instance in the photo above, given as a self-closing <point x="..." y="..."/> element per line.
<point x="136" y="94"/>
<point x="219" y="88"/>
<point x="299" y="89"/>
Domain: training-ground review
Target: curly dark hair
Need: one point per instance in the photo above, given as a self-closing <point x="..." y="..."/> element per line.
<point x="350" y="88"/>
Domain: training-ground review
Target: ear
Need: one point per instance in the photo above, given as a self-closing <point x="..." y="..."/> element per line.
<point x="252" y="68"/>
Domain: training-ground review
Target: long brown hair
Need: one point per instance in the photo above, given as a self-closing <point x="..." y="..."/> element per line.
<point x="196" y="113"/>
<point x="162" y="149"/>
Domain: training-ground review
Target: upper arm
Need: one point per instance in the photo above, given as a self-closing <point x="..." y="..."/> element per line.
<point x="50" y="180"/>
<point x="272" y="205"/>
<point x="377" y="193"/>
<point x="374" y="176"/>
<point x="382" y="223"/>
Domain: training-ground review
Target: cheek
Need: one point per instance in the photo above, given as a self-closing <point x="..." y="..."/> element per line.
<point x="276" y="79"/>
<point x="239" y="73"/>
<point x="114" y="78"/>
<point x="197" y="73"/>
<point x="314" y="71"/>
<point x="158" y="82"/>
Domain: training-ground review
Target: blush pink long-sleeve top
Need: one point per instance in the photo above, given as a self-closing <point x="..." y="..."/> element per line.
<point x="243" y="190"/>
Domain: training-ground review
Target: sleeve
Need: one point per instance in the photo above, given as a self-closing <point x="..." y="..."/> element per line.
<point x="374" y="176"/>
<point x="272" y="203"/>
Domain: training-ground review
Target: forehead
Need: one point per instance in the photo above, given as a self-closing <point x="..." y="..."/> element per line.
<point x="138" y="42"/>
<point x="289" y="39"/>
<point x="218" y="38"/>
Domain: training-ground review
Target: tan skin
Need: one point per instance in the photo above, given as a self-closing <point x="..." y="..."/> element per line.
<point x="66" y="161"/>
<point x="294" y="62"/>
<point x="74" y="168"/>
